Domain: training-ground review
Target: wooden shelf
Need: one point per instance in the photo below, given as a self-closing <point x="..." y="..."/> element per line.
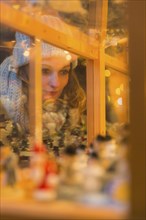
<point x="60" y="209"/>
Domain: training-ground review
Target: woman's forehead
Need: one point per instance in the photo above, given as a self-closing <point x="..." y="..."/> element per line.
<point x="56" y="62"/>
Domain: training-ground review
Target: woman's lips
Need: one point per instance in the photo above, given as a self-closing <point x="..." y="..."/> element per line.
<point x="50" y="94"/>
<point x="53" y="93"/>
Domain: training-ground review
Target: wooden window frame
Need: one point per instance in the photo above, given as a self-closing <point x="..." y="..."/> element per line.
<point x="95" y="67"/>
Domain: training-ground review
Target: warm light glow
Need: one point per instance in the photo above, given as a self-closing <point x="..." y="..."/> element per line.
<point x="68" y="57"/>
<point x="65" y="51"/>
<point x="119" y="1"/>
<point x="38" y="40"/>
<point x="107" y="73"/>
<point x="26" y="53"/>
<point x="118" y="91"/>
<point x="120" y="101"/>
<point x="16" y="6"/>
<point x="109" y="98"/>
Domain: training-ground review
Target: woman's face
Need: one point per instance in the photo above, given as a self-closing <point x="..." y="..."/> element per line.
<point x="55" y="75"/>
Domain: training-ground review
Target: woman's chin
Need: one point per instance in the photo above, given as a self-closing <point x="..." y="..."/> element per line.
<point x="49" y="99"/>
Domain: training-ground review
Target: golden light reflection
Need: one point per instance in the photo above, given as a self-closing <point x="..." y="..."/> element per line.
<point x="120" y="101"/>
<point x="16" y="6"/>
<point x="68" y="57"/>
<point x="118" y="91"/>
<point x="38" y="40"/>
<point x="26" y="53"/>
<point x="107" y="73"/>
<point x="109" y="98"/>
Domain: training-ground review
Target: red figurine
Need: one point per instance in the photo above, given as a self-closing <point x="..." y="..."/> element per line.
<point x="44" y="173"/>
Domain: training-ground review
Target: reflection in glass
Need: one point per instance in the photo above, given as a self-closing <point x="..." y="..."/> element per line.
<point x="117" y="101"/>
<point x="80" y="16"/>
<point x="117" y="30"/>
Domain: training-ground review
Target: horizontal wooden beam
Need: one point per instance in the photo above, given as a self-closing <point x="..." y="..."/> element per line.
<point x="116" y="64"/>
<point x="78" y="44"/>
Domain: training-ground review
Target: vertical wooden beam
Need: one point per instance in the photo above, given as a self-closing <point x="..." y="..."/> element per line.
<point x="93" y="99"/>
<point x="90" y="103"/>
<point x="35" y="93"/>
<point x="137" y="62"/>
<point x="102" y="67"/>
<point x="96" y="82"/>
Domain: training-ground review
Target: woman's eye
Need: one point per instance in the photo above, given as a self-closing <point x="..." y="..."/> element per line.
<point x="46" y="71"/>
<point x="64" y="72"/>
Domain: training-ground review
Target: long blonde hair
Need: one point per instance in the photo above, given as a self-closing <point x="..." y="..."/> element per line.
<point x="74" y="93"/>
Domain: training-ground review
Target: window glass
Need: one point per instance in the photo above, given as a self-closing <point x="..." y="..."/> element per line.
<point x="117" y="97"/>
<point x="117" y="31"/>
<point x="63" y="94"/>
<point x="83" y="16"/>
<point x="63" y="99"/>
<point x="14" y="83"/>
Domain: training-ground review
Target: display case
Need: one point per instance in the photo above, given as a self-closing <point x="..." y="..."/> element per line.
<point x="78" y="44"/>
<point x="116" y="60"/>
<point x="94" y="53"/>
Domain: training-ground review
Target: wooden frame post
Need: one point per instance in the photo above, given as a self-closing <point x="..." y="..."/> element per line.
<point x="96" y="121"/>
<point x="35" y="93"/>
<point x="137" y="61"/>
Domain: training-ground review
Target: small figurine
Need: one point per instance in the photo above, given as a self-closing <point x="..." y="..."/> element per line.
<point x="8" y="165"/>
<point x="81" y="157"/>
<point x="44" y="173"/>
<point x="71" y="175"/>
<point x="24" y="152"/>
<point x="93" y="175"/>
<point x="120" y="184"/>
<point x="106" y="148"/>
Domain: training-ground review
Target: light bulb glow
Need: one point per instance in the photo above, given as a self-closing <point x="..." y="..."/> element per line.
<point x="120" y="101"/>
<point x="26" y="53"/>
<point x="68" y="57"/>
<point x="118" y="91"/>
<point x="38" y="40"/>
<point x="65" y="51"/>
<point x="16" y="6"/>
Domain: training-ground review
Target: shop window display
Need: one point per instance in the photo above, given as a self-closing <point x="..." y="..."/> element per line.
<point x="64" y="131"/>
<point x="63" y="98"/>
<point x="63" y="166"/>
<point x="116" y="67"/>
<point x="117" y="31"/>
<point x="117" y="101"/>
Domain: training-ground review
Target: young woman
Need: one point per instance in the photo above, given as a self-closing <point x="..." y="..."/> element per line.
<point x="64" y="100"/>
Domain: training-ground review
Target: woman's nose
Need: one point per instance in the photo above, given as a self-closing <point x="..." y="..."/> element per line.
<point x="54" y="80"/>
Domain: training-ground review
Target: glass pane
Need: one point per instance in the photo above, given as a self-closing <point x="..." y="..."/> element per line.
<point x="117" y="97"/>
<point x="14" y="83"/>
<point x="64" y="94"/>
<point x="117" y="30"/>
<point x="76" y="15"/>
<point x="117" y="102"/>
<point x="64" y="99"/>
